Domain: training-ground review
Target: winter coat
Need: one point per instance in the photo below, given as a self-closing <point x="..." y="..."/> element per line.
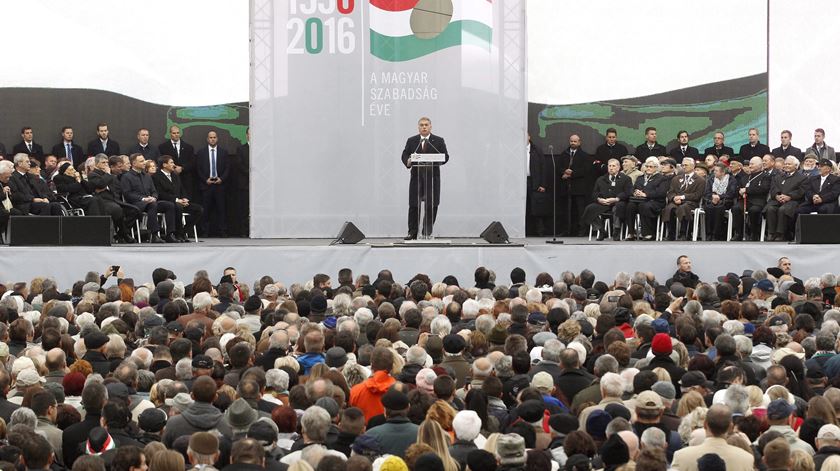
<point x="367" y="395"/>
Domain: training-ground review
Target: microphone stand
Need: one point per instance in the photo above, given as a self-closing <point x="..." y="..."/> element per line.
<point x="553" y="199"/>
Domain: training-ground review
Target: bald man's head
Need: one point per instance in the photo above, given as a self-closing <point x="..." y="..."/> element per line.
<point x="718" y="420"/>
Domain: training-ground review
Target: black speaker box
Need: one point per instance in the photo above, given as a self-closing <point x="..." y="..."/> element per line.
<point x="87" y="230"/>
<point x="349" y="234"/>
<point x="818" y="229"/>
<point x="35" y="230"/>
<point x="495" y="234"/>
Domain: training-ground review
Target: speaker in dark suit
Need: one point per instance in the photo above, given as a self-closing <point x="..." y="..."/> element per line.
<point x="213" y="172"/>
<point x="424" y="185"/>
<point x="169" y="188"/>
<point x="184" y="156"/>
<point x="69" y="149"/>
<point x="573" y="191"/>
<point x="28" y="146"/>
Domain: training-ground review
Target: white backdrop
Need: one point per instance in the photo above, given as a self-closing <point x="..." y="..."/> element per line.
<point x="326" y="139"/>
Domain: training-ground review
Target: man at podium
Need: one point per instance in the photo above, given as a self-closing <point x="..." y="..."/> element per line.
<point x="425" y="182"/>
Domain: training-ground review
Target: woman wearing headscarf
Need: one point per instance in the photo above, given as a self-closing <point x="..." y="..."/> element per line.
<point x="69" y="183"/>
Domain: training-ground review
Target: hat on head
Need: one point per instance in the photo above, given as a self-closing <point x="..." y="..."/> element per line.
<point x="329" y="405"/>
<point x="29" y="377"/>
<point x="511" y="449"/>
<point x="785" y="351"/>
<point x="776" y="272"/>
<point x="531" y="410"/>
<point x="181" y="401"/>
<point x="153" y="321"/>
<point x="596" y="424"/>
<point x="263" y="432"/>
<point x="318" y="304"/>
<point x="540" y="338"/>
<point x="94" y="340"/>
<point x="395" y="399"/>
<point x="649" y="400"/>
<point x="202" y="361"/>
<point x="677" y="289"/>
<point x="730" y="278"/>
<point x="630" y="157"/>
<point x="563" y="422"/>
<point x="660" y="326"/>
<point x="498" y="335"/>
<point x="776" y="321"/>
<point x="815" y="372"/>
<point x="765" y="285"/>
<point x="578" y="462"/>
<point x="336" y="357"/>
<point x="543" y="381"/>
<point x="429" y="462"/>
<point x="174" y="327"/>
<point x="826" y="163"/>
<point x="393" y="463"/>
<point x="367" y="445"/>
<point x="204" y="443"/>
<point x="614" y="451"/>
<point x="240" y="415"/>
<point x="695" y="378"/>
<point x="618" y="410"/>
<point x="454" y="344"/>
<point x="152" y="420"/>
<point x="661" y="344"/>
<point x="779" y="409"/>
<point x="481" y="459"/>
<point x="99" y="441"/>
<point x="797" y="289"/>
<point x="829" y="431"/>
<point x="252" y="304"/>
<point x="536" y="318"/>
<point x="330" y="322"/>
<point x="665" y="389"/>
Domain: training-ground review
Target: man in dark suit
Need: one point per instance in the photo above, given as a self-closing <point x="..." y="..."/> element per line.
<point x="23" y="193"/>
<point x="786" y="148"/>
<point x="103" y="144"/>
<point x="28" y="146"/>
<point x="240" y="171"/>
<point x="684" y="195"/>
<point x="142" y="146"/>
<point x="753" y="147"/>
<point x="786" y="193"/>
<point x="754" y="191"/>
<point x="139" y="191"/>
<point x="610" y="194"/>
<point x="213" y="172"/>
<point x="572" y="168"/>
<point x="184" y="156"/>
<point x="6" y="208"/>
<point x="610" y="149"/>
<point x="422" y="182"/>
<point x="821" y="191"/>
<point x="535" y="207"/>
<point x="106" y="187"/>
<point x="649" y="148"/>
<point x="682" y="149"/>
<point x="169" y="188"/>
<point x="720" y="148"/>
<point x="69" y="149"/>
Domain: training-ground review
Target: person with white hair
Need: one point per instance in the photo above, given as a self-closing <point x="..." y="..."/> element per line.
<point x="612" y="390"/>
<point x="647" y="200"/>
<point x="276" y="387"/>
<point x="533" y="295"/>
<point x="363" y="316"/>
<point x="787" y="191"/>
<point x="440" y="326"/>
<point x="469" y="310"/>
<point x="467" y="427"/>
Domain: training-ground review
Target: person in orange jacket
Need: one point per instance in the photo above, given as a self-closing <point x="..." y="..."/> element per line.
<point x="367" y="395"/>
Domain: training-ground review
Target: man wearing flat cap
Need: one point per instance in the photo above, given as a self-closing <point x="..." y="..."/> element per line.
<point x="397" y="433"/>
<point x="96" y="343"/>
<point x="453" y="347"/>
<point x="821" y="191"/>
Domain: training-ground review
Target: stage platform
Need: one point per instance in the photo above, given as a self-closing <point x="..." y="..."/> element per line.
<point x="295" y="260"/>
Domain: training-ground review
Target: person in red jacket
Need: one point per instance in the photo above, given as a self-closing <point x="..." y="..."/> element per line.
<point x="367" y="395"/>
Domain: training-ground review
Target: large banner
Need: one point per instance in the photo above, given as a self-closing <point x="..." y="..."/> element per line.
<point x="339" y="85"/>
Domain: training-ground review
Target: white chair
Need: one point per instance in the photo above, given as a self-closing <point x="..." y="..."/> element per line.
<point x="195" y="227"/>
<point x="142" y="224"/>
<point x="700" y="224"/>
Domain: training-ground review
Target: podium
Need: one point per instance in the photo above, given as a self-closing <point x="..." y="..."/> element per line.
<point x="425" y="164"/>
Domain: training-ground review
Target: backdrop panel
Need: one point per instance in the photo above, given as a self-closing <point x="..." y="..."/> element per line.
<point x="338" y="87"/>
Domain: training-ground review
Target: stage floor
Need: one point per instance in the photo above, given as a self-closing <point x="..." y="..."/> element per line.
<point x="296" y="260"/>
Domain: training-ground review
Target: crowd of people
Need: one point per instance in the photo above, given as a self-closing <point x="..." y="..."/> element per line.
<point x="621" y="373"/>
<point x="172" y="187"/>
<point x="655" y="192"/>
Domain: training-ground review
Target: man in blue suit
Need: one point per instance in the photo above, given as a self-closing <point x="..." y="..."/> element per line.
<point x="213" y="171"/>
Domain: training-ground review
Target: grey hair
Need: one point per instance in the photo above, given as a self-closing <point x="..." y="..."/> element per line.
<point x="315" y="423"/>
<point x="484" y="324"/>
<point x="551" y="350"/>
<point x="743" y="345"/>
<point x="342" y="305"/>
<point x="705" y="294"/>
<point x="618" y="424"/>
<point x="693" y="308"/>
<point x="605" y="363"/>
<point x="622" y="279"/>
<point x="653" y="438"/>
<point x="23" y="415"/>
<point x="362" y="316"/>
<point x="830" y="328"/>
<point x="831" y="315"/>
<point x="653" y="161"/>
<point x="277" y="379"/>
<point x="792" y="160"/>
<point x="416" y="355"/>
<point x="21" y="158"/>
<point x="828" y="280"/>
<point x="759" y="274"/>
<point x="183" y="369"/>
<point x="99" y="158"/>
<point x="612" y="384"/>
<point x="737" y="398"/>
<point x="6" y="166"/>
<point x="560" y="289"/>
<point x="733" y="327"/>
<point x="440" y="326"/>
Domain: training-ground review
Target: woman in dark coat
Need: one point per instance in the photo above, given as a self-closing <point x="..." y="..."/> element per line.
<point x="721" y="191"/>
<point x="647" y="200"/>
<point x="69" y="183"/>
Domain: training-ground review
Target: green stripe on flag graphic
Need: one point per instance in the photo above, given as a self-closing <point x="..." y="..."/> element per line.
<point x="405" y="48"/>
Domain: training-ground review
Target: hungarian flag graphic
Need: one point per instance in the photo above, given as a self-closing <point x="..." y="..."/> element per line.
<point x="402" y="30"/>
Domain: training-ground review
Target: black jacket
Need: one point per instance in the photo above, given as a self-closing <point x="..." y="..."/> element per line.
<point x="727" y="199"/>
<point x="580" y="165"/>
<point x="78" y="156"/>
<point x="791" y="150"/>
<point x="149" y="152"/>
<point x="112" y="147"/>
<point x="136" y="186"/>
<point x="572" y="382"/>
<point x="417" y="183"/>
<point x="22" y="191"/>
<point x="790" y="185"/>
<point x="828" y="193"/>
<point x="672" y="368"/>
<point x="169" y="190"/>
<point x="75" y="191"/>
<point x="757" y="188"/>
<point x="643" y="151"/>
<point x="75" y="435"/>
<point x="656" y="188"/>
<point x="202" y="165"/>
<point x="539" y="168"/>
<point x="622" y="189"/>
<point x="725" y="150"/>
<point x="37" y="150"/>
<point x="747" y="151"/>
<point x="241" y="167"/>
<point x="678" y="154"/>
<point x="99" y="363"/>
